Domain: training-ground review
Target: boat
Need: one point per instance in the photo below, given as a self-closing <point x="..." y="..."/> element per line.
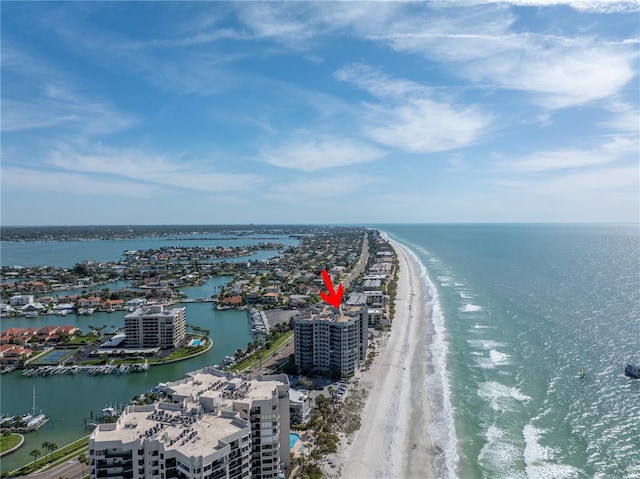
<point x="632" y="370"/>
<point x="581" y="374"/>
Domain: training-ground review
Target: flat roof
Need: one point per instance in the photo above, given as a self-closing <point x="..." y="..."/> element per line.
<point x="193" y="437"/>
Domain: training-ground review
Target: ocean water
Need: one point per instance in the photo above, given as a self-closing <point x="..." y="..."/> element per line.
<point x="518" y="310"/>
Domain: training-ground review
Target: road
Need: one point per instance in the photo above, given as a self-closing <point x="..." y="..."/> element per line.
<point x="362" y="263"/>
<point x="71" y="469"/>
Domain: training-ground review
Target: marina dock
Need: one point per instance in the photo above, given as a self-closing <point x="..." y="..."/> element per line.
<point x="91" y="370"/>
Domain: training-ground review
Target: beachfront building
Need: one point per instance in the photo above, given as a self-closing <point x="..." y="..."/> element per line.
<point x="377" y="303"/>
<point x="214" y="425"/>
<point x="330" y="340"/>
<point x="155" y="326"/>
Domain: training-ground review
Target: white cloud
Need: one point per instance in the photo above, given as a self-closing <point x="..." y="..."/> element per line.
<point x="87" y="117"/>
<point x="377" y="83"/>
<point x="625" y="118"/>
<point x="425" y="126"/>
<point x="569" y="158"/>
<point x="592" y="6"/>
<point x="318" y="187"/>
<point x="409" y="118"/>
<point x="51" y="99"/>
<point x="595" y="180"/>
<point x="481" y="45"/>
<point x="152" y="168"/>
<point x="319" y="152"/>
<point x="284" y="23"/>
<point x="41" y="181"/>
<point x="560" y="76"/>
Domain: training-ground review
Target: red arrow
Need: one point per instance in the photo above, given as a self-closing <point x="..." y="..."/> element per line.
<point x="333" y="298"/>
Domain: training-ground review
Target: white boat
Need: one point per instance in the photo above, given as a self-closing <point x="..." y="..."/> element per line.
<point x="35" y="421"/>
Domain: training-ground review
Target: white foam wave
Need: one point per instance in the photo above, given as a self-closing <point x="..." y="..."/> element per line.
<point x="500" y="396"/>
<point x="500" y="457"/>
<point x="495" y="359"/>
<point x="471" y="308"/>
<point x="486" y="344"/>
<point x="499" y="358"/>
<point x="537" y="457"/>
<point x="481" y="326"/>
<point x="465" y="295"/>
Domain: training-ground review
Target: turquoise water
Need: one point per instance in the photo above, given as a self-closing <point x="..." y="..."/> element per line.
<point x="517" y="311"/>
<point x="293" y="438"/>
<point x="196" y="342"/>
<point x="70" y="400"/>
<point x="206" y="289"/>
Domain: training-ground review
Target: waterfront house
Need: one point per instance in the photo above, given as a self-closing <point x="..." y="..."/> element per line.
<point x="48" y="333"/>
<point x="135" y="303"/>
<point x="113" y="304"/>
<point x="270" y="298"/>
<point x="13" y="354"/>
<point x="68" y="330"/>
<point x="31" y="309"/>
<point x="252" y="296"/>
<point x="37" y="286"/>
<point x="232" y="300"/>
<point x="21" y="300"/>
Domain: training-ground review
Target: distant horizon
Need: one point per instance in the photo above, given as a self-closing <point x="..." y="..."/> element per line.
<point x="518" y="111"/>
<point x="330" y="224"/>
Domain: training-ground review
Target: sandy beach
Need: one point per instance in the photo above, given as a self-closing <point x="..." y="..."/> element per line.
<point x="393" y="441"/>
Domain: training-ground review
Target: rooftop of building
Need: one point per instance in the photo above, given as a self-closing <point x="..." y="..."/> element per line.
<point x="201" y="417"/>
<point x="154" y="310"/>
<point x="197" y="383"/>
<point x="346" y="313"/>
<point x="169" y="424"/>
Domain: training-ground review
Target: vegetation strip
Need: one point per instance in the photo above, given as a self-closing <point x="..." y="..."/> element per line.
<point x="54" y="457"/>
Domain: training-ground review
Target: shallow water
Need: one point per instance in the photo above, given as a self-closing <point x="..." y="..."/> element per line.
<point x="518" y="310"/>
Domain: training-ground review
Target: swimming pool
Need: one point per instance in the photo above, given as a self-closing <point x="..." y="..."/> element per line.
<point x="195" y="342"/>
<point x="293" y="438"/>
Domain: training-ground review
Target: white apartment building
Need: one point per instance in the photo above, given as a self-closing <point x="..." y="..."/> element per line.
<point x="215" y="425"/>
<point x="153" y="326"/>
<point x="331" y="341"/>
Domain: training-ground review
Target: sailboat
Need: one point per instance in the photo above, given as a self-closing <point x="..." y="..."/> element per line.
<point x="581" y="374"/>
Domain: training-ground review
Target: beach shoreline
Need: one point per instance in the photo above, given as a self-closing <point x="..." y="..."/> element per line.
<point x="393" y="440"/>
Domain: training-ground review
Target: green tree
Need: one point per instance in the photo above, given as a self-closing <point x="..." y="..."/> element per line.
<point x="45" y="446"/>
<point x="84" y="460"/>
<point x="81" y="269"/>
<point x="35" y="453"/>
<point x="52" y="448"/>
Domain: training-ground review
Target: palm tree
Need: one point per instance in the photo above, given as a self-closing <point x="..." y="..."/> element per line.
<point x="52" y="447"/>
<point x="35" y="453"/>
<point x="46" y="445"/>
<point x="82" y="457"/>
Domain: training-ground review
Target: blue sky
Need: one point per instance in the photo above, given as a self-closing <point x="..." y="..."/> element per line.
<point x="205" y="113"/>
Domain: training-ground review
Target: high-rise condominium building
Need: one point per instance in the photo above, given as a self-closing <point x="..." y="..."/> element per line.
<point x="213" y="426"/>
<point x="331" y="340"/>
<point x="154" y="326"/>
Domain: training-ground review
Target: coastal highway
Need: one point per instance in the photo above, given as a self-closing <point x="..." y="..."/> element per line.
<point x="71" y="469"/>
<point x="358" y="269"/>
